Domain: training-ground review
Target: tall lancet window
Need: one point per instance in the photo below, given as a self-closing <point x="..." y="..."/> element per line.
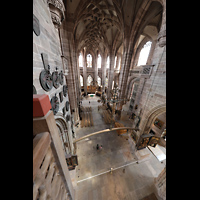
<point x="99" y="80"/>
<point x="80" y="59"/>
<point x="108" y="62"/>
<point x="144" y="53"/>
<point x="99" y="61"/>
<point x="89" y="80"/>
<point x="119" y="63"/>
<point x="89" y="60"/>
<point x="81" y="80"/>
<point x="115" y="62"/>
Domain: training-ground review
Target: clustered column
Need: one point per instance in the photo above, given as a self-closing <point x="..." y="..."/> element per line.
<point x="111" y="74"/>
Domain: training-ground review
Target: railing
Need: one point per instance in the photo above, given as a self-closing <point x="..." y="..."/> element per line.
<point x="47" y="180"/>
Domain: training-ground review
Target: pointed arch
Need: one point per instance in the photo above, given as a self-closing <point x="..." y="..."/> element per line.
<point x="149" y="118"/>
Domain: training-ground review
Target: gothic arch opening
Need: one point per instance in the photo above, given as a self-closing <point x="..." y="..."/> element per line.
<point x="89" y="60"/>
<point x="131" y="81"/>
<point x="158" y="128"/>
<point x="99" y="61"/>
<point x="80" y="59"/>
<point x="144" y="54"/>
<point x="145" y="125"/>
<point x="81" y="80"/>
<point x="63" y="132"/>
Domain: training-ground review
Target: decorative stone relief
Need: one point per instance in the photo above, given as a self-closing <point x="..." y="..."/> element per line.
<point x="57" y="9"/>
<point x="54" y="104"/>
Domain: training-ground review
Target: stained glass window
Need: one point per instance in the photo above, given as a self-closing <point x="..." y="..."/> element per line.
<point x="99" y="61"/>
<point x="89" y="60"/>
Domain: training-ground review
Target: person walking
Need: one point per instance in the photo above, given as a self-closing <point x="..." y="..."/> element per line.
<point x="89" y="102"/>
<point x="97" y="147"/>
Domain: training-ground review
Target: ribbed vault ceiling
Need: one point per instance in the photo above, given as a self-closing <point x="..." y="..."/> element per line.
<point x="100" y="24"/>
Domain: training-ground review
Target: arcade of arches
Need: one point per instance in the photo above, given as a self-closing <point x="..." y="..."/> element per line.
<point x="82" y="50"/>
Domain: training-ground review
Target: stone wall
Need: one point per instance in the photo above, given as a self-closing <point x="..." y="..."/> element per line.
<point x="48" y="42"/>
<point x="72" y="77"/>
<point x="154" y="91"/>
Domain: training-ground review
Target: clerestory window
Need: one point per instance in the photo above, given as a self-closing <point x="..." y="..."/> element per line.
<point x="89" y="60"/>
<point x="99" y="61"/>
<point x="144" y="53"/>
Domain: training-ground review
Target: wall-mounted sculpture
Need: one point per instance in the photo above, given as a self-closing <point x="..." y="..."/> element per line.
<point x="54" y="104"/>
<point x="64" y="111"/>
<point x="68" y="118"/>
<point x="45" y="75"/>
<point x="46" y="80"/>
<point x="61" y="79"/>
<point x="55" y="78"/>
<point x="61" y="96"/>
<point x="67" y="105"/>
<point x="65" y="89"/>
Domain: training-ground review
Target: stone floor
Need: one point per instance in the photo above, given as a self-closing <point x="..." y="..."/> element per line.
<point x="129" y="180"/>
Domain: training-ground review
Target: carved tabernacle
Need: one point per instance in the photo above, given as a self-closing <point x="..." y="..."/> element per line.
<point x="57" y="11"/>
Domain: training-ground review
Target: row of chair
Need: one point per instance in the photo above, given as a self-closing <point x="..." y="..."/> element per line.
<point x="106" y="115"/>
<point x="87" y="119"/>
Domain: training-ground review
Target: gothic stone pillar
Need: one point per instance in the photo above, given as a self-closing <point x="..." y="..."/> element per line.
<point x="111" y="74"/>
<point x="68" y="47"/>
<point x="85" y="73"/>
<point x="124" y="73"/>
<point x="103" y="69"/>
